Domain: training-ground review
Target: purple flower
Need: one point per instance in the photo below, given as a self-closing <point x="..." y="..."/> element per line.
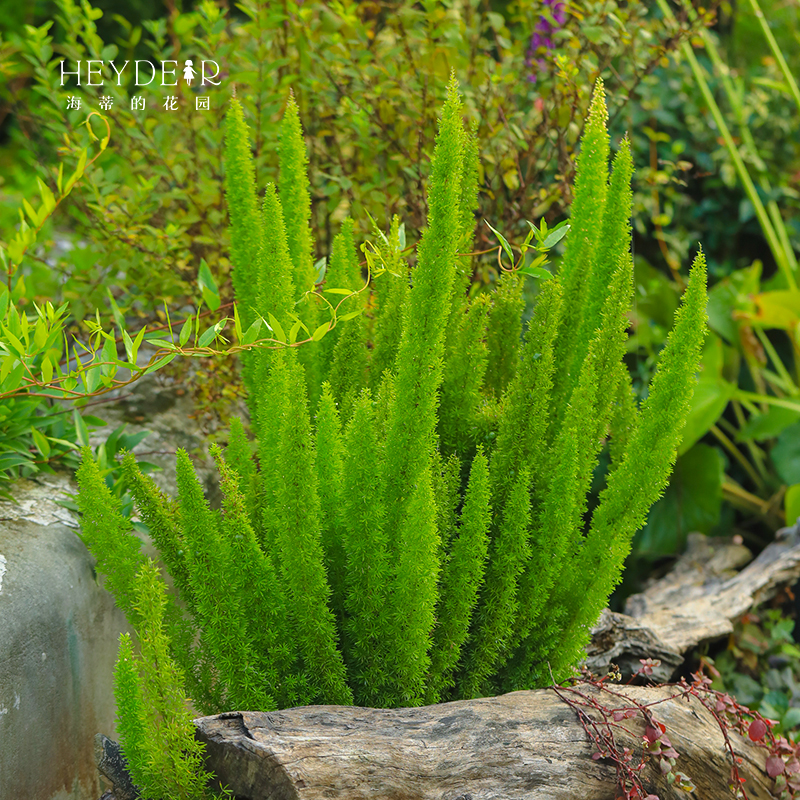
<point x="541" y="41"/>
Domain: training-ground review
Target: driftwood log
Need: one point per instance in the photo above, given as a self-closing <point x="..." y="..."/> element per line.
<point x="519" y="746"/>
<point x="698" y="601"/>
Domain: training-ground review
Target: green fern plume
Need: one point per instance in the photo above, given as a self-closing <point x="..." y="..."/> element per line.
<point x="412" y="416"/>
<point x="240" y="191"/>
<point x="108" y="535"/>
<point x="505" y="330"/>
<point x="366" y="543"/>
<point x="588" y="206"/>
<point x="415" y="528"/>
<point x="463" y="575"/>
<point x="295" y="200"/>
<point x="156" y="729"/>
<point x="390" y="292"/>
<point x="644" y="471"/>
<point x="300" y="545"/>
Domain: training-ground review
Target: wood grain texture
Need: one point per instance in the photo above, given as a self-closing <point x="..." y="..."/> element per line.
<point x="698" y="601"/>
<point x="519" y="746"/>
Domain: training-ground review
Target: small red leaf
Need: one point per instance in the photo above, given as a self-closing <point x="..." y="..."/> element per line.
<point x="651" y="734"/>
<point x="758" y="730"/>
<point x="775" y="766"/>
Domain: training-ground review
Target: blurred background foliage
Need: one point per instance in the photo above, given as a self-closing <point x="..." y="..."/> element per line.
<point x="369" y="77"/>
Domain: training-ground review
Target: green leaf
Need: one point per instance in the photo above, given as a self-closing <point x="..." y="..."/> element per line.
<point x="48" y="199"/>
<point x="136" y="343"/>
<point x="768" y="425"/>
<point x="276" y="328"/>
<point x="30" y="211"/>
<point x="791" y="719"/>
<point x="554" y="237"/>
<point x="81" y="432"/>
<point x="47" y="369"/>
<point x="14" y="379"/>
<point x="503" y="242"/>
<point x="708" y="403"/>
<point x="319" y="269"/>
<point x="186" y="332"/>
<point x="15" y="343"/>
<point x="128" y="345"/>
<point x="251" y="334"/>
<point x="208" y="286"/>
<point x="166" y="344"/>
<point x="792" y="504"/>
<point x="40" y="440"/>
<point x="786" y="454"/>
<point x="92" y="379"/>
<point x="692" y="502"/>
<point x="118" y="318"/>
<point x="537" y="272"/>
<point x="11" y="460"/>
<point x="78" y="172"/>
<point x="237" y="323"/>
<point x="346" y="292"/>
<point x="729" y="295"/>
<point x="211" y="334"/>
<point x="109" y="354"/>
<point x="162" y="362"/>
<point x="7" y="366"/>
<point x="711" y="396"/>
<point x="350" y="315"/>
<point x="321" y="331"/>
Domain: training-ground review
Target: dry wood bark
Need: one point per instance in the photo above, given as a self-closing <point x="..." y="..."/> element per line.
<point x="698" y="601"/>
<point x="519" y="746"/>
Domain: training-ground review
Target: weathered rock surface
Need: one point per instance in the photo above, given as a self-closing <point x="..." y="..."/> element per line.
<point x="59" y="630"/>
<point x="58" y="644"/>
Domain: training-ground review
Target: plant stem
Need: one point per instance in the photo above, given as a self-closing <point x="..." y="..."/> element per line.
<point x="776" y="51"/>
<point x="737" y="454"/>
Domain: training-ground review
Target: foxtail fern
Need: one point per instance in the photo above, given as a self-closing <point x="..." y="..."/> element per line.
<point x="416" y="527"/>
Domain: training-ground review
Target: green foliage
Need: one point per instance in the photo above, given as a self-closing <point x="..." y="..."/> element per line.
<point x="106" y="534"/>
<point x="587" y="208"/>
<point x="732" y="467"/>
<point x="462" y="576"/>
<point x="163" y="756"/>
<point x="366" y="545"/>
<point x="246" y="232"/>
<point x="759" y="667"/>
<point x="407" y="558"/>
<point x="367" y="87"/>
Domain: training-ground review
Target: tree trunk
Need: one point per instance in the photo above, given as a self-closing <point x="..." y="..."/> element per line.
<point x="520" y="746"/>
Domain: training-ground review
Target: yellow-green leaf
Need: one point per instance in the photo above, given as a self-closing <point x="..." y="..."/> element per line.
<point x="276" y="328"/>
<point x="40" y="440"/>
<point x="321" y="331"/>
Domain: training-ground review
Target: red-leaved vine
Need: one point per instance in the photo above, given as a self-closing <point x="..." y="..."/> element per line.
<point x="783" y="760"/>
